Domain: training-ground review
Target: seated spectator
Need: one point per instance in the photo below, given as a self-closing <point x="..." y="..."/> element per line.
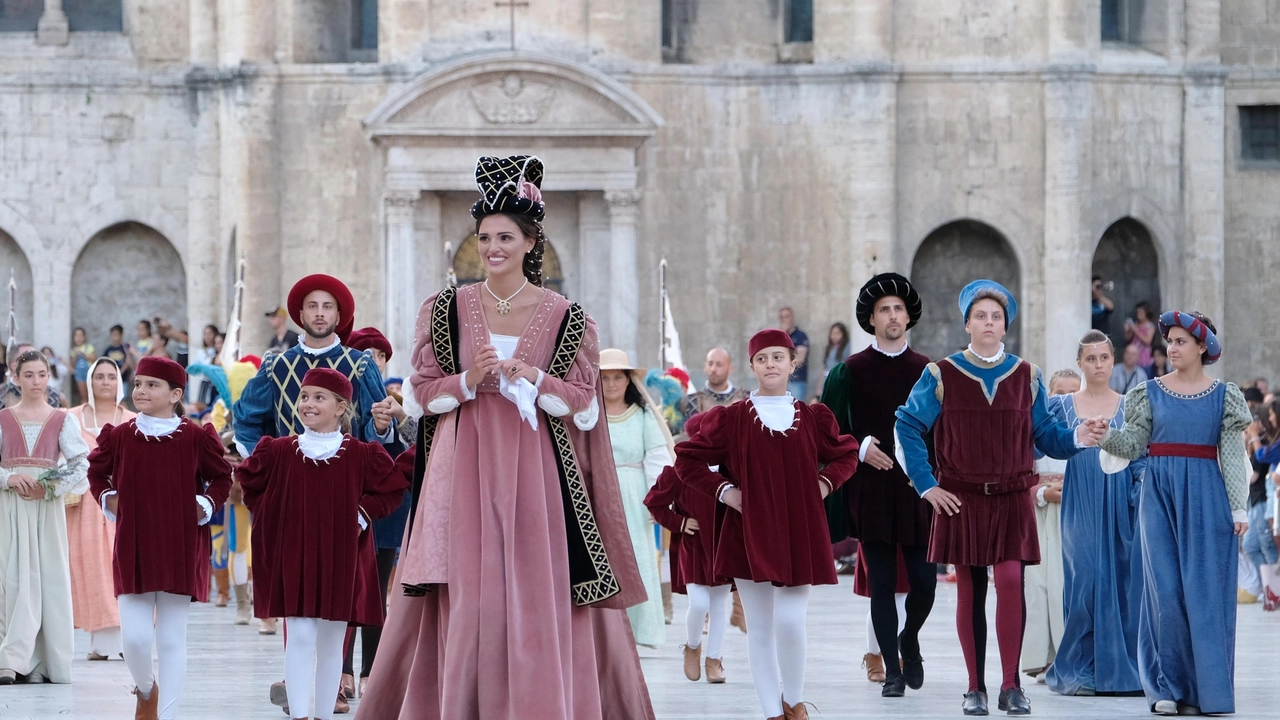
<point x="1128" y="376"/>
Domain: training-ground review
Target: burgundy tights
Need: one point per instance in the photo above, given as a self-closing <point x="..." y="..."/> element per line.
<point x="971" y="620"/>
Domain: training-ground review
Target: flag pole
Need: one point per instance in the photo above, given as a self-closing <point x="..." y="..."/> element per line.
<point x="13" y="316"/>
<point x="662" y="315"/>
<point x="231" y="349"/>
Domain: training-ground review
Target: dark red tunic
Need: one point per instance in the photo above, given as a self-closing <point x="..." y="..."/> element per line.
<point x="781" y="535"/>
<point x="310" y="557"/>
<point x="986" y="456"/>
<point x="672" y="503"/>
<point x="160" y="545"/>
<point x="882" y="504"/>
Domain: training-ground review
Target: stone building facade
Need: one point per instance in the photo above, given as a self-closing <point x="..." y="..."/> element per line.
<point x="776" y="152"/>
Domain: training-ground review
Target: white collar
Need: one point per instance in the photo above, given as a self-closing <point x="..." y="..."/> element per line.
<point x="157" y="427"/>
<point x="993" y="359"/>
<point x="319" y="351"/>
<point x="320" y="446"/>
<point x="707" y="388"/>
<point x="777" y="412"/>
<point x="876" y="346"/>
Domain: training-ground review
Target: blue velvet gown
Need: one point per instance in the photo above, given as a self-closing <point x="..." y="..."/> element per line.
<point x="1187" y="626"/>
<point x="1102" y="570"/>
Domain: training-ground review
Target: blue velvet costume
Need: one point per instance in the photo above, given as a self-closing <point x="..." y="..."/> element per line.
<point x="269" y="403"/>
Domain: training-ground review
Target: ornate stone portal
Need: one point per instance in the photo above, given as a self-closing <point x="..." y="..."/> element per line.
<point x="586" y="126"/>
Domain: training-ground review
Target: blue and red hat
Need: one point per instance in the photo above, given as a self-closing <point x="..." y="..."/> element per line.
<point x="1198" y="329"/>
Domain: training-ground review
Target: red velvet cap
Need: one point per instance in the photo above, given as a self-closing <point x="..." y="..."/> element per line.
<point x="331" y="380"/>
<point x="369" y="339"/>
<point x="162" y="368"/>
<point x="772" y="337"/>
<point x="331" y="285"/>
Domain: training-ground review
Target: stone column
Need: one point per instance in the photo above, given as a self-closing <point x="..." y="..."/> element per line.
<point x="400" y="293"/>
<point x="203" y="31"/>
<point x="257" y="205"/>
<point x="51" y="320"/>
<point x="1204" y="31"/>
<point x="203" y="258"/>
<point x="873" y="189"/>
<point x="624" y="298"/>
<point x="1068" y="240"/>
<point x="1203" y="194"/>
<point x="53" y="28"/>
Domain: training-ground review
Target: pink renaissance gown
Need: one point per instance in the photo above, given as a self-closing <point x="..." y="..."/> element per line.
<point x="506" y="628"/>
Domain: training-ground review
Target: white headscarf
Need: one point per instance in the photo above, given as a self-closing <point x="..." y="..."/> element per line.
<point x="119" y="381"/>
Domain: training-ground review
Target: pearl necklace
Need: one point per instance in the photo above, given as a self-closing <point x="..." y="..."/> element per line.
<point x="504" y="306"/>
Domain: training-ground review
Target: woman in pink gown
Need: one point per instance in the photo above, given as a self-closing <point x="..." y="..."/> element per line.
<point x="90" y="538"/>
<point x="506" y="609"/>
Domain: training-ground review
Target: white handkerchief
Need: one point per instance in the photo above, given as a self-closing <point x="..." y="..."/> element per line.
<point x="1111" y="464"/>
<point x="521" y="392"/>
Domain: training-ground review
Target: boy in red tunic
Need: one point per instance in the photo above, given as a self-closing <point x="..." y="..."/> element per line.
<point x="159" y="478"/>
<point x="691" y="518"/>
<point x="313" y="498"/>
<point x="988" y="414"/>
<point x="783" y="457"/>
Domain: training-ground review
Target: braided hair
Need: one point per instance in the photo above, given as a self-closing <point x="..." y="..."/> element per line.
<point x="533" y="259"/>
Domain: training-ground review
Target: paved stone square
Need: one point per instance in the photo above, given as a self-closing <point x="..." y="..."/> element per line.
<point x="231" y="668"/>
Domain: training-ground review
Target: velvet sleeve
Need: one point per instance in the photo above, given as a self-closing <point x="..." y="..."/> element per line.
<point x="253" y="415"/>
<point x="835" y="395"/>
<point x="369" y="389"/>
<point x="1053" y="437"/>
<point x="1232" y="457"/>
<point x="214" y="472"/>
<point x="102" y="462"/>
<point x="254" y="472"/>
<point x="660" y="499"/>
<point x="578" y="389"/>
<point x="384" y="484"/>
<point x="837" y="453"/>
<point x="709" y="447"/>
<point x="436" y="392"/>
<point x="914" y="420"/>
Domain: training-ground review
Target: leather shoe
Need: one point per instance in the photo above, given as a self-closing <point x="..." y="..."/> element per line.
<point x="795" y="712"/>
<point x="912" y="663"/>
<point x="692" y="662"/>
<point x="347" y="686"/>
<point x="341" y="706"/>
<point x="280" y="697"/>
<point x="147" y="708"/>
<point x="975" y="703"/>
<point x="1014" y="701"/>
<point x="715" y="671"/>
<point x="875" y="667"/>
<point x="894" y="687"/>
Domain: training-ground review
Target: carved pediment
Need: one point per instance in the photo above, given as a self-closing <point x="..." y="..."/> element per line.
<point x="512" y="95"/>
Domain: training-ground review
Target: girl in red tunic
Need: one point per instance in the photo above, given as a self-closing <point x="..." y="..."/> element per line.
<point x="314" y="497"/>
<point x="159" y="477"/>
<point x="691" y="518"/>
<point x="784" y="457"/>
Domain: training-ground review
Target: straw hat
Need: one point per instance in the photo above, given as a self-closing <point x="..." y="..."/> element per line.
<point x="615" y="359"/>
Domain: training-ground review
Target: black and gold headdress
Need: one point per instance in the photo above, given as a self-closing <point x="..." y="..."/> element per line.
<point x="510" y="185"/>
<point x="885" y="285"/>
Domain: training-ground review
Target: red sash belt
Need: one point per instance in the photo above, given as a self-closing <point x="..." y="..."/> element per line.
<point x="995" y="485"/>
<point x="1203" y="452"/>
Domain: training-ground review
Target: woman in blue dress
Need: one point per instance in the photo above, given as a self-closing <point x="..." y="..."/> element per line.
<point x="1192" y="508"/>
<point x="1102" y="561"/>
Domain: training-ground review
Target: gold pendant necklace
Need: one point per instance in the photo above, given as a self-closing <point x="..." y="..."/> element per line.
<point x="504" y="306"/>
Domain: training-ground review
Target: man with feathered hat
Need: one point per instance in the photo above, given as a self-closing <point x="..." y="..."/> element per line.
<point x="878" y="507"/>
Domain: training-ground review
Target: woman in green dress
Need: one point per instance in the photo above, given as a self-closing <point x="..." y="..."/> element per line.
<point x="642" y="447"/>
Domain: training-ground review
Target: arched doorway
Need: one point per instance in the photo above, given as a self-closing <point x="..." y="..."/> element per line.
<point x="13" y="262"/>
<point x="124" y="274"/>
<point x="1129" y="266"/>
<point x="469" y="269"/>
<point x="951" y="257"/>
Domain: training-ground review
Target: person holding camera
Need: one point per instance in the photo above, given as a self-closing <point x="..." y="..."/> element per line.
<point x="1101" y="306"/>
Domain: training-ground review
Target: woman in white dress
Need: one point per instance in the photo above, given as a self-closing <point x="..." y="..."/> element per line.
<point x="642" y="447"/>
<point x="36" y="632"/>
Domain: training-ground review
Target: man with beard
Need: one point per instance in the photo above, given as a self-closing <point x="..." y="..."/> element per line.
<point x="718" y="390"/>
<point x="879" y="507"/>
<point x="325" y="310"/>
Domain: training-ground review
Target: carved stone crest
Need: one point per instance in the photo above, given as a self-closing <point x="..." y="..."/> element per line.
<point x="511" y="100"/>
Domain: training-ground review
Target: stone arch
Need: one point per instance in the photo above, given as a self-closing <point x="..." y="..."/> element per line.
<point x="949" y="258"/>
<point x="467" y="268"/>
<point x="1127" y="256"/>
<point x="124" y="273"/>
<point x="109" y="213"/>
<point x="14" y="263"/>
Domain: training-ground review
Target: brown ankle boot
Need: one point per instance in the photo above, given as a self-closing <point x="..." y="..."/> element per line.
<point x="794" y="712"/>
<point x="737" y="618"/>
<point x="147" y="708"/>
<point x="715" y="671"/>
<point x="692" y="662"/>
<point x="875" y="667"/>
<point x="222" y="580"/>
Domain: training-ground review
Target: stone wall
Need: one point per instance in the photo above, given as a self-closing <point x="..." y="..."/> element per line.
<point x="1251" y="33"/>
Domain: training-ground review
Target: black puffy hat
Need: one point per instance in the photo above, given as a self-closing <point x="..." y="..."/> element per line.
<point x="510" y="185"/>
<point x="886" y="285"/>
